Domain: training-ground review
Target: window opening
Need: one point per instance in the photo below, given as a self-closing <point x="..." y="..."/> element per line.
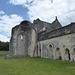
<point x="21" y="36"/>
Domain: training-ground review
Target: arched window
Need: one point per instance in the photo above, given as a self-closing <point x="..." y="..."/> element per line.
<point x="50" y="46"/>
<point x="58" y="53"/>
<point x="50" y="51"/>
<point x="21" y="36"/>
<point x="57" y="49"/>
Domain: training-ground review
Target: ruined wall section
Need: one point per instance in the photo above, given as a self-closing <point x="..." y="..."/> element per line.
<point x="23" y="40"/>
<point x="39" y="25"/>
<point x="58" y="32"/>
<point x="62" y="47"/>
<point x="13" y="40"/>
<point x="32" y="49"/>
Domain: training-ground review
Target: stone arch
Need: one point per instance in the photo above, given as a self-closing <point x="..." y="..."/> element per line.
<point x="58" y="53"/>
<point x="50" y="50"/>
<point x="50" y="46"/>
<point x="67" y="54"/>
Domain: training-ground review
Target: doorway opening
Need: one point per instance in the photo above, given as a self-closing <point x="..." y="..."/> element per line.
<point x="40" y="52"/>
<point x="68" y="53"/>
<point x="58" y="53"/>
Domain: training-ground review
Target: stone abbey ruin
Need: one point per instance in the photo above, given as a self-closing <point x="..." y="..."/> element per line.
<point x="42" y="39"/>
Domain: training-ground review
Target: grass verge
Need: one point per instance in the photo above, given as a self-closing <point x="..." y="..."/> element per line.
<point x="35" y="66"/>
<point x="4" y="52"/>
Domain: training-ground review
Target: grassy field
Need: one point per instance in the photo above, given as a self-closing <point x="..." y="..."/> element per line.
<point x="35" y="66"/>
<point x="4" y="52"/>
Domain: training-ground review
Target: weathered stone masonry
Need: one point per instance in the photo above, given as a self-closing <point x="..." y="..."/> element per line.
<point x="42" y="39"/>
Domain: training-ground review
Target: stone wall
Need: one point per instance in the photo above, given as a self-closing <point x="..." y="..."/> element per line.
<point x="23" y="40"/>
<point x="62" y="47"/>
<point x="58" y="32"/>
<point x="39" y="25"/>
<point x="55" y="41"/>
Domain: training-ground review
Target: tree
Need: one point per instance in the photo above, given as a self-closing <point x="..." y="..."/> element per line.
<point x="4" y="46"/>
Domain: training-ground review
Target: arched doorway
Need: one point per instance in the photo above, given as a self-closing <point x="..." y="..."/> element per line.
<point x="39" y="52"/>
<point x="67" y="54"/>
<point x="58" y="53"/>
<point x="50" y="51"/>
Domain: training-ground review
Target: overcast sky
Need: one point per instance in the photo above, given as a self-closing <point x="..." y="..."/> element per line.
<point x="12" y="12"/>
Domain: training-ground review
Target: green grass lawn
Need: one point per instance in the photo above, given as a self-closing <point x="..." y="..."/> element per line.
<point x="35" y="66"/>
<point x="4" y="52"/>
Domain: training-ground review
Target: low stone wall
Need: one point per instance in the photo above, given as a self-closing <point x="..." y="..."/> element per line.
<point x="16" y="56"/>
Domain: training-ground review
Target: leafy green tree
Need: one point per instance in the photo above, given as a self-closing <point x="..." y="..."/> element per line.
<point x="4" y="46"/>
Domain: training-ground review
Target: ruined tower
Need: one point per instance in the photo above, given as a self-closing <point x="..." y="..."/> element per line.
<point x="23" y="40"/>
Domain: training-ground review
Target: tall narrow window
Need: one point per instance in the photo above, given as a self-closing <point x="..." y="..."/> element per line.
<point x="21" y="36"/>
<point x="57" y="49"/>
<point x="50" y="46"/>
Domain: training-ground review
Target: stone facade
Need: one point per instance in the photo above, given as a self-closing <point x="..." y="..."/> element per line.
<point x="42" y="39"/>
<point x="62" y="47"/>
<point x="23" y="40"/>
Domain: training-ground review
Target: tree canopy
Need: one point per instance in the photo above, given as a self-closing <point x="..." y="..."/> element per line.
<point x="4" y="46"/>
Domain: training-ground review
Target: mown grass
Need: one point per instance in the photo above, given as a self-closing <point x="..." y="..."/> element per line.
<point x="4" y="52"/>
<point x="35" y="66"/>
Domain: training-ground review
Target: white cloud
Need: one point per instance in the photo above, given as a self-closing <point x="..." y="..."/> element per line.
<point x="17" y="2"/>
<point x="45" y="10"/>
<point x="2" y="12"/>
<point x="4" y="38"/>
<point x="6" y="24"/>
